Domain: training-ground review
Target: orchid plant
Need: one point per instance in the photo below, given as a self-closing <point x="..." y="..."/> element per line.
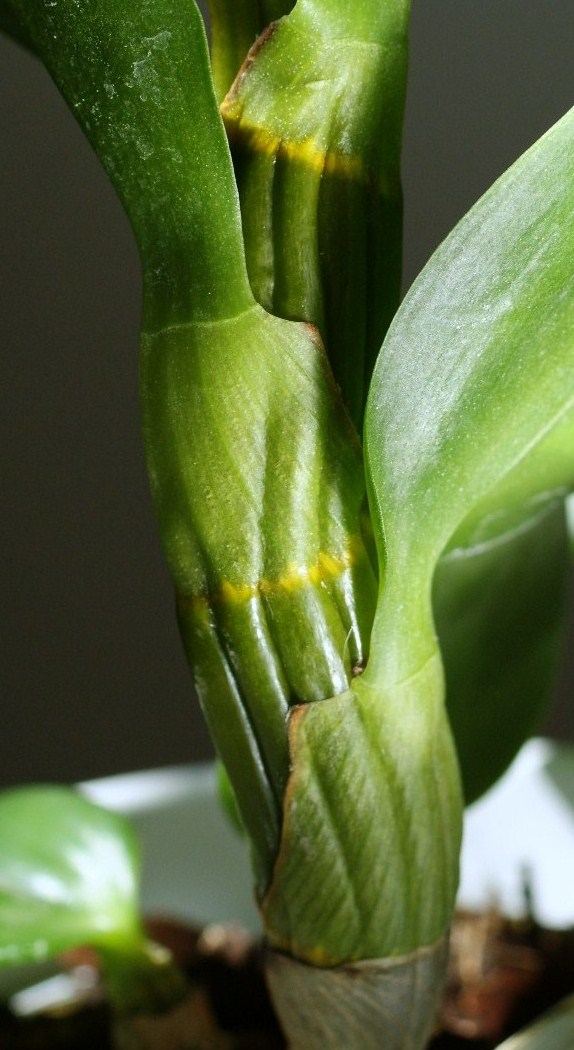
<point x="369" y="546"/>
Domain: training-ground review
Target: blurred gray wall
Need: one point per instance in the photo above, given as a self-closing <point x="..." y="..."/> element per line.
<point x="92" y="680"/>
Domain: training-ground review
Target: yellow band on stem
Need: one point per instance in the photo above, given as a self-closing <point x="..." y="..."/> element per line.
<point x="326" y="567"/>
<point x="305" y="152"/>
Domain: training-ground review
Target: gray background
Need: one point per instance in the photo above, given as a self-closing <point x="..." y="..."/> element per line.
<point x="92" y="679"/>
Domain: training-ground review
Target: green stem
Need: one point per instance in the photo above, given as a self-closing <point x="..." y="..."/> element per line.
<point x="368" y="20"/>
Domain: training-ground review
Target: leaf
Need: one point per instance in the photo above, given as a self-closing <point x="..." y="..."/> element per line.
<point x="470" y="422"/>
<point x="69" y="875"/>
<point x="499" y="610"/>
<point x="554" y="1031"/>
<point x="140" y="85"/>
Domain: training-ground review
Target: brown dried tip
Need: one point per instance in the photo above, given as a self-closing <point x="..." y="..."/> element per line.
<point x="248" y="61"/>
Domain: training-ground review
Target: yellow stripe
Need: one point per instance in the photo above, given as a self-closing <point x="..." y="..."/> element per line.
<point x="326" y="567"/>
<point x="306" y="151"/>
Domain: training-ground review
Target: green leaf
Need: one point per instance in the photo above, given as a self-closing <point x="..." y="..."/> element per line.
<point x="499" y="611"/>
<point x="470" y="422"/>
<point x="499" y="592"/>
<point x="140" y="85"/>
<point x="554" y="1031"/>
<point x="315" y="120"/>
<point x="69" y="875"/>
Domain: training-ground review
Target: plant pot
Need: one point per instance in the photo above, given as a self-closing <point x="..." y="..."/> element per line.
<point x="518" y="844"/>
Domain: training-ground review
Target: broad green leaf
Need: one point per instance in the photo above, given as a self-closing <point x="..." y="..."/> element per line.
<point x="470" y="423"/>
<point x="69" y="875"/>
<point x="554" y="1031"/>
<point x="137" y="78"/>
<point x="314" y="120"/>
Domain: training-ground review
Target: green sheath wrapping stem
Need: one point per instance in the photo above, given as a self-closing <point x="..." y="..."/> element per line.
<point x="368" y="865"/>
<point x="257" y="476"/>
<point x="499" y="662"/>
<point x="314" y="120"/>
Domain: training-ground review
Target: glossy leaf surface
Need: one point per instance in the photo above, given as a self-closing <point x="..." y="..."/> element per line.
<point x="140" y="85"/>
<point x="69" y="874"/>
<point x="470" y="424"/>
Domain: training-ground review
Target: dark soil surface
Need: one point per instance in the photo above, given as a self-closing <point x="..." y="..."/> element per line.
<point x="502" y="976"/>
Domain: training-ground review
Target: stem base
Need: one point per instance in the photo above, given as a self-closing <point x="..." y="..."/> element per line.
<point x="377" y="1004"/>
